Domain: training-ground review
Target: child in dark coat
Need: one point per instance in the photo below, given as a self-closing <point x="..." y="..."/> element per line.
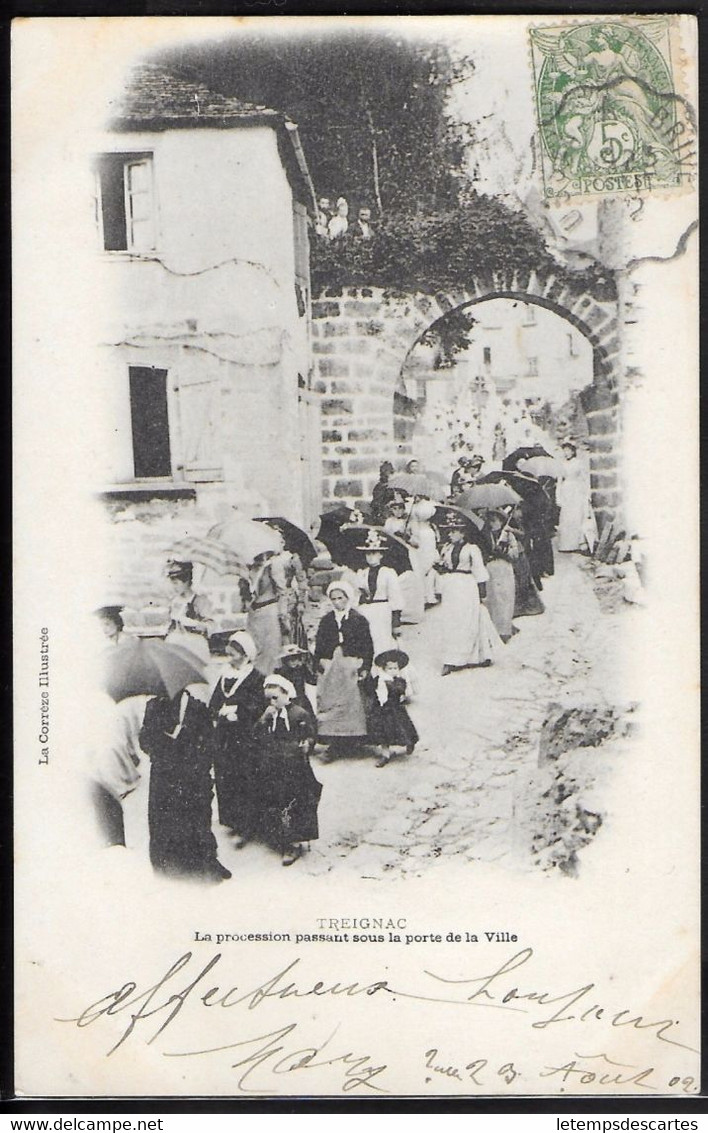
<point x="391" y="728"/>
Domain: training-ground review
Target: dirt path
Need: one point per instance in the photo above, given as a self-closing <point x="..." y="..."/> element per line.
<point x="479" y="742"/>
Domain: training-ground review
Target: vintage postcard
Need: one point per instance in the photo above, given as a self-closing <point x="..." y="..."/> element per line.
<point x="356" y="606"/>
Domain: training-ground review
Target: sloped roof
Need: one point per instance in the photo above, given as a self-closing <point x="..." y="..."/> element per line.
<point x="156" y="98"/>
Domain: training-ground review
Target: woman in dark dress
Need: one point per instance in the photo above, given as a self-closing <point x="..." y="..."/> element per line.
<point x="237" y="702"/>
<point x="288" y="792"/>
<point x="177" y="735"/>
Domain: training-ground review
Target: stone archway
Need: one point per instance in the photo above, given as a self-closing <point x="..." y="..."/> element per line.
<point x="362" y="336"/>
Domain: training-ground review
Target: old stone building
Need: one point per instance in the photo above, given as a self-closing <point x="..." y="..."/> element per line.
<point x="203" y="207"/>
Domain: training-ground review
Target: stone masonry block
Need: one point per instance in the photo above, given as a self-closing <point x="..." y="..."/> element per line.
<point x="363" y="464"/>
<point x="332" y="467"/>
<point x="603" y="480"/>
<point x="601" y="463"/>
<point x="349" y="488"/>
<point x="331" y="369"/>
<point x="362" y="307"/>
<point x="337" y="405"/>
<point x="356" y="346"/>
<point x="346" y="387"/>
<point x="367" y="434"/>
<point x="324" y="348"/>
<point x="331" y="435"/>
<point x="323" y="310"/>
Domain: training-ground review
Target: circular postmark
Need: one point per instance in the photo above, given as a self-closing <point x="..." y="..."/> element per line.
<point x="608" y="113"/>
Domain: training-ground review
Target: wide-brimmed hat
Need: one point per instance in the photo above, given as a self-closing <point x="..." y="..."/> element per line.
<point x="179" y="569"/>
<point x="292" y="650"/>
<point x="396" y="655"/>
<point x="373" y="542"/>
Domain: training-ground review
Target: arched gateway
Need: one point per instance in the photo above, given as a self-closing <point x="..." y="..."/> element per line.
<point x="362" y="336"/>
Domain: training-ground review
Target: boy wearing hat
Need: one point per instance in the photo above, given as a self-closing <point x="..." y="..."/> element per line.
<point x="381" y="600"/>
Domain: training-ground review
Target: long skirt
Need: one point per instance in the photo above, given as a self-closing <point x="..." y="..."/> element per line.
<point x="287" y="795"/>
<point x="340" y="704"/>
<point x="379" y="616"/>
<point x="412" y="584"/>
<point x="234" y="772"/>
<point x="501" y="595"/>
<point x="179" y="817"/>
<point x="264" y="627"/>
<point x="527" y="601"/>
<point x="391" y="726"/>
<point x="459" y="616"/>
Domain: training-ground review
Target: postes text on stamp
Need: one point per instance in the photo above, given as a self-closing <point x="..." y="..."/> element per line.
<point x="610" y="117"/>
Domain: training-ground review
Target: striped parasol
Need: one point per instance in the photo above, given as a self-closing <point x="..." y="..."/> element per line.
<point x="210" y="552"/>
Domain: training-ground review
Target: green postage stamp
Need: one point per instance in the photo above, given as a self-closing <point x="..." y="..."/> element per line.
<point x="611" y="117"/>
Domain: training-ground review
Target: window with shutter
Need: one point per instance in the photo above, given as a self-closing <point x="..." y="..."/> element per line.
<point x="125" y="202"/>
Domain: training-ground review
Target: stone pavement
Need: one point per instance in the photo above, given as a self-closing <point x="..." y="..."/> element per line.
<point x="458" y="793"/>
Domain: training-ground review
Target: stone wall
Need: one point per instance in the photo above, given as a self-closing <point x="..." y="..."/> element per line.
<point x="362" y="336"/>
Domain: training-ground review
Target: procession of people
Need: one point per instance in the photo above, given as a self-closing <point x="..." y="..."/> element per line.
<point x="226" y="723"/>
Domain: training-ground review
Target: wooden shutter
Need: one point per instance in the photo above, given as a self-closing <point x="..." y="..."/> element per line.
<point x="199" y="408"/>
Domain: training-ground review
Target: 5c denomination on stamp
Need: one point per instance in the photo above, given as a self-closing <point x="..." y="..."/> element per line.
<point x="610" y="116"/>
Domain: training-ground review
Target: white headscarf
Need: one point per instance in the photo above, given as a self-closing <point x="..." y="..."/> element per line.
<point x="245" y="642"/>
<point x="276" y="681"/>
<point x="345" y="589"/>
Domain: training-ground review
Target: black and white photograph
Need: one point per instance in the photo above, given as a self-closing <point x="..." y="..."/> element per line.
<point x="357" y="555"/>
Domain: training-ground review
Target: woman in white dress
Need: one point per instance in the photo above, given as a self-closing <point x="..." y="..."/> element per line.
<point x="426" y="554"/>
<point x="190" y="624"/>
<point x="577" y="527"/>
<point x="467" y="633"/>
<point x="381" y="600"/>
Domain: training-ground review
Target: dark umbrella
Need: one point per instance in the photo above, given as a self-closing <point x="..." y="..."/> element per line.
<point x="509" y="463"/>
<point x="146" y="667"/>
<point x="332" y="521"/>
<point x="346" y="549"/>
<point x="447" y="514"/>
<point x="444" y="513"/>
<point x="294" y="538"/>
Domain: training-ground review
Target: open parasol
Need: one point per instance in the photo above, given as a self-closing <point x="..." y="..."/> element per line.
<point x="211" y="553"/>
<point x="523" y="483"/>
<point x="540" y="466"/>
<point x="331" y="522"/>
<point x="246" y="537"/>
<point x="346" y="548"/>
<point x="444" y="513"/>
<point x="487" y="495"/>
<point x="294" y="538"/>
<point x="149" y="667"/>
<point x="510" y="462"/>
<point x="431" y="485"/>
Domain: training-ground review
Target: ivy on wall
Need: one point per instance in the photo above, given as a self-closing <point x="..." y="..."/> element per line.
<point x="443" y="250"/>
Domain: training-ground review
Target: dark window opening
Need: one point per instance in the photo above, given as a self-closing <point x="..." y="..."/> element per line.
<point x="126" y="206"/>
<point x="487" y="355"/>
<point x="150" y="423"/>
